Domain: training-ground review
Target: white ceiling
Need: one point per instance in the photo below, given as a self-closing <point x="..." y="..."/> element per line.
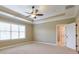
<point x="47" y="10"/>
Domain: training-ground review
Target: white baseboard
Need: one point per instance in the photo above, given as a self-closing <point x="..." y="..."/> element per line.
<point x="47" y="43"/>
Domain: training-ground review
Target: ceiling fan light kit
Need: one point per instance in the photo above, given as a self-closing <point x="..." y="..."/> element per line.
<point x="34" y="13"/>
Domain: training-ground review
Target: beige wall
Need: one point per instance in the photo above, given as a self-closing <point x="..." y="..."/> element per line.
<point x="46" y="32"/>
<point x="28" y="31"/>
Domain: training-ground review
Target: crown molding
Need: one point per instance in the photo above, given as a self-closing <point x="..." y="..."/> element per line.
<point x="14" y="13"/>
<point x="50" y="19"/>
<point x="14" y="17"/>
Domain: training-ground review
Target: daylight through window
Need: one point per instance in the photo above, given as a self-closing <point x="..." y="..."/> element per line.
<point x="11" y="31"/>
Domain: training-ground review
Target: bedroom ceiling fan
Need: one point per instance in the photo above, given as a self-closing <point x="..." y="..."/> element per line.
<point x="34" y="13"/>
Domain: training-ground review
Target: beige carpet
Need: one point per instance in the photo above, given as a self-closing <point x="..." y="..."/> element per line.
<point x="37" y="48"/>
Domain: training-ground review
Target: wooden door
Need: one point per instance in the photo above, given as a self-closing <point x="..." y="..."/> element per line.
<point x="60" y="35"/>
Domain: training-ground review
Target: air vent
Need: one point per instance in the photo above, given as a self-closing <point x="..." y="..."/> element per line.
<point x="69" y="6"/>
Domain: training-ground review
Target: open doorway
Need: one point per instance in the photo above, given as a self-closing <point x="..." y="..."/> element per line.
<point x="66" y="35"/>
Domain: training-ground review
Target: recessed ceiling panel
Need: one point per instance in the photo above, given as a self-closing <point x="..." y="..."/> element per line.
<point x="47" y="10"/>
<point x="50" y="10"/>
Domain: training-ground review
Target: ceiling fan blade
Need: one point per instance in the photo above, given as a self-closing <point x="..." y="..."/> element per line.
<point x="36" y="10"/>
<point x="27" y="12"/>
<point x="28" y="16"/>
<point x="39" y="14"/>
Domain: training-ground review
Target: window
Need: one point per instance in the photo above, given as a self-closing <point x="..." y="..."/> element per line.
<point x="11" y="31"/>
<point x="21" y="31"/>
<point x="14" y="31"/>
<point x="4" y="31"/>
